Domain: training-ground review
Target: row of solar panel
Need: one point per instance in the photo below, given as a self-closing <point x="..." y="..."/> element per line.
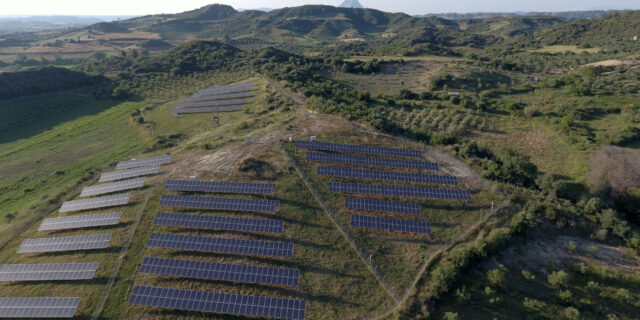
<point x="349" y="148"/>
<point x="221" y="245"/>
<point x="400" y="191"/>
<point x="224" y="96"/>
<point x="390" y="224"/>
<point x="386" y="175"/>
<point x="241" y="87"/>
<point x="372" y="162"/>
<point x="106" y="188"/>
<point x="145" y="162"/>
<point x="218" y="223"/>
<point x="129" y="173"/>
<point x="39" y="307"/>
<point x="48" y="272"/>
<point x="233" y="204"/>
<point x="212" y="103"/>
<point x="208" y="109"/>
<point x="220" y="187"/>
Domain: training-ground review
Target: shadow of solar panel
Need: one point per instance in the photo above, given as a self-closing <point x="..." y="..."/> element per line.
<point x="382" y="206"/>
<point x="218" y="223"/>
<point x="48" y="272"/>
<point x="400" y="191"/>
<point x="212" y="103"/>
<point x="218" y="302"/>
<point x="227" y="89"/>
<point x="349" y="148"/>
<point x="40" y="307"/>
<point x="386" y="175"/>
<point x="372" y="162"/>
<point x="212" y="203"/>
<point x="95" y="203"/>
<point x="220" y="271"/>
<point x="220" y="187"/>
<point x="73" y="243"/>
<point x="145" y="162"/>
<point x="123" y="185"/>
<point x="84" y="221"/>
<point x="129" y="173"/>
<point x="224" y="96"/>
<point x="208" y="109"/>
<point x="221" y="245"/>
<point x="390" y="224"/>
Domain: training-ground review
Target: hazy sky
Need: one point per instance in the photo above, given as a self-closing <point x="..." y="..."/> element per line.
<point x="140" y="7"/>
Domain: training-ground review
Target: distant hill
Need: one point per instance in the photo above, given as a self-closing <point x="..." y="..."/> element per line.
<point x="37" y="23"/>
<point x="605" y="31"/>
<point x="483" y="15"/>
<point x="509" y="26"/>
<point x="351" y="4"/>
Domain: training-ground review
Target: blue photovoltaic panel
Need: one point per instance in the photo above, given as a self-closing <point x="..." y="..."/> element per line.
<point x="112" y="187"/>
<point x="233" y="204"/>
<point x="400" y="191"/>
<point x="218" y="223"/>
<point x="218" y="302"/>
<point x="382" y="205"/>
<point x="95" y="203"/>
<point x="212" y="103"/>
<point x="208" y="109"/>
<point x="241" y="87"/>
<point x="372" y="162"/>
<point x="129" y="173"/>
<point x="48" y="272"/>
<point x="220" y="271"/>
<point x="39" y="307"/>
<point x="224" y="96"/>
<point x="220" y="187"/>
<point x="386" y="175"/>
<point x="390" y="224"/>
<point x="221" y="245"/>
<point x="96" y="241"/>
<point x="83" y="221"/>
<point x="349" y="148"/>
<point x="144" y="162"/>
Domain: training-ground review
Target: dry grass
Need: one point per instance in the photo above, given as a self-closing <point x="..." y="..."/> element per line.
<point x="614" y="169"/>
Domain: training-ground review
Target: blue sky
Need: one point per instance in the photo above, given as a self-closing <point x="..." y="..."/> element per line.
<point x="140" y="7"/>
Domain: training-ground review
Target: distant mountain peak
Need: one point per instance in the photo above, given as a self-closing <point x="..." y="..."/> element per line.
<point x="351" y="4"/>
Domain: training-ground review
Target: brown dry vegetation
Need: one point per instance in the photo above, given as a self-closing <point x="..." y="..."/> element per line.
<point x="614" y="170"/>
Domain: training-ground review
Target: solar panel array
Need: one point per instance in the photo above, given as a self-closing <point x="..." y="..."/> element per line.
<point x="41" y="307"/>
<point x="129" y="173"/>
<point x="218" y="302"/>
<point x="208" y="109"/>
<point x="225" y="96"/>
<point x="390" y="224"/>
<point x="372" y="162"/>
<point x="400" y="191"/>
<point x="84" y="221"/>
<point x="98" y="241"/>
<point x="95" y="203"/>
<point x="218" y="223"/>
<point x="382" y="205"/>
<point x="349" y="148"/>
<point x="212" y="203"/>
<point x="42" y="272"/>
<point x="212" y="103"/>
<point x="220" y="187"/>
<point x="221" y="245"/>
<point x="386" y="175"/>
<point x="145" y="162"/>
<point x="241" y="87"/>
<point x="220" y="271"/>
<point x="123" y="185"/>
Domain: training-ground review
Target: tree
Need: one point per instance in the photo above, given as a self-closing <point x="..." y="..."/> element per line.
<point x="558" y="279"/>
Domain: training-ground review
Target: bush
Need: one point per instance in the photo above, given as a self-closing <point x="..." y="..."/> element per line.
<point x="534" y="305"/>
<point x="496" y="276"/>
<point x="450" y="316"/>
<point x="558" y="279"/>
<point x="531" y="111"/>
<point x="571" y="313"/>
<point x="528" y="275"/>
<point x="240" y="127"/>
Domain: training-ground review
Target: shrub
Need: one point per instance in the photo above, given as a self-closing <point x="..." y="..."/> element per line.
<point x="496" y="276"/>
<point x="571" y="245"/>
<point x="558" y="278"/>
<point x="240" y="127"/>
<point x="528" y="275"/>
<point x="593" y="249"/>
<point x="565" y="295"/>
<point x="450" y="316"/>
<point x="534" y="305"/>
<point x="531" y="111"/>
<point x="571" y="313"/>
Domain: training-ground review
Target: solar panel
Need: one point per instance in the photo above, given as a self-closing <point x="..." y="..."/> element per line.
<point x="218" y="302"/>
<point x="218" y="223"/>
<point x="145" y="162"/>
<point x="390" y="224"/>
<point x="48" y="272"/>
<point x="212" y="103"/>
<point x="41" y="307"/>
<point x="212" y="203"/>
<point x="209" y="109"/>
<point x="220" y="271"/>
<point x="95" y="203"/>
<point x="241" y="87"/>
<point x="221" y="245"/>
<point x="84" y="221"/>
<point x="97" y="241"/>
<point x="386" y="175"/>
<point x="372" y="162"/>
<point x="400" y="191"/>
<point x="223" y="96"/>
<point x="349" y="148"/>
<point x="123" y="185"/>
<point x="220" y="186"/>
<point x="381" y="205"/>
<point x="129" y="173"/>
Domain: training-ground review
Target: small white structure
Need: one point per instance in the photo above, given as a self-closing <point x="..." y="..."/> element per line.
<point x="306" y="115"/>
<point x="313" y="138"/>
<point x="248" y="139"/>
<point x="192" y="178"/>
<point x="454" y="94"/>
